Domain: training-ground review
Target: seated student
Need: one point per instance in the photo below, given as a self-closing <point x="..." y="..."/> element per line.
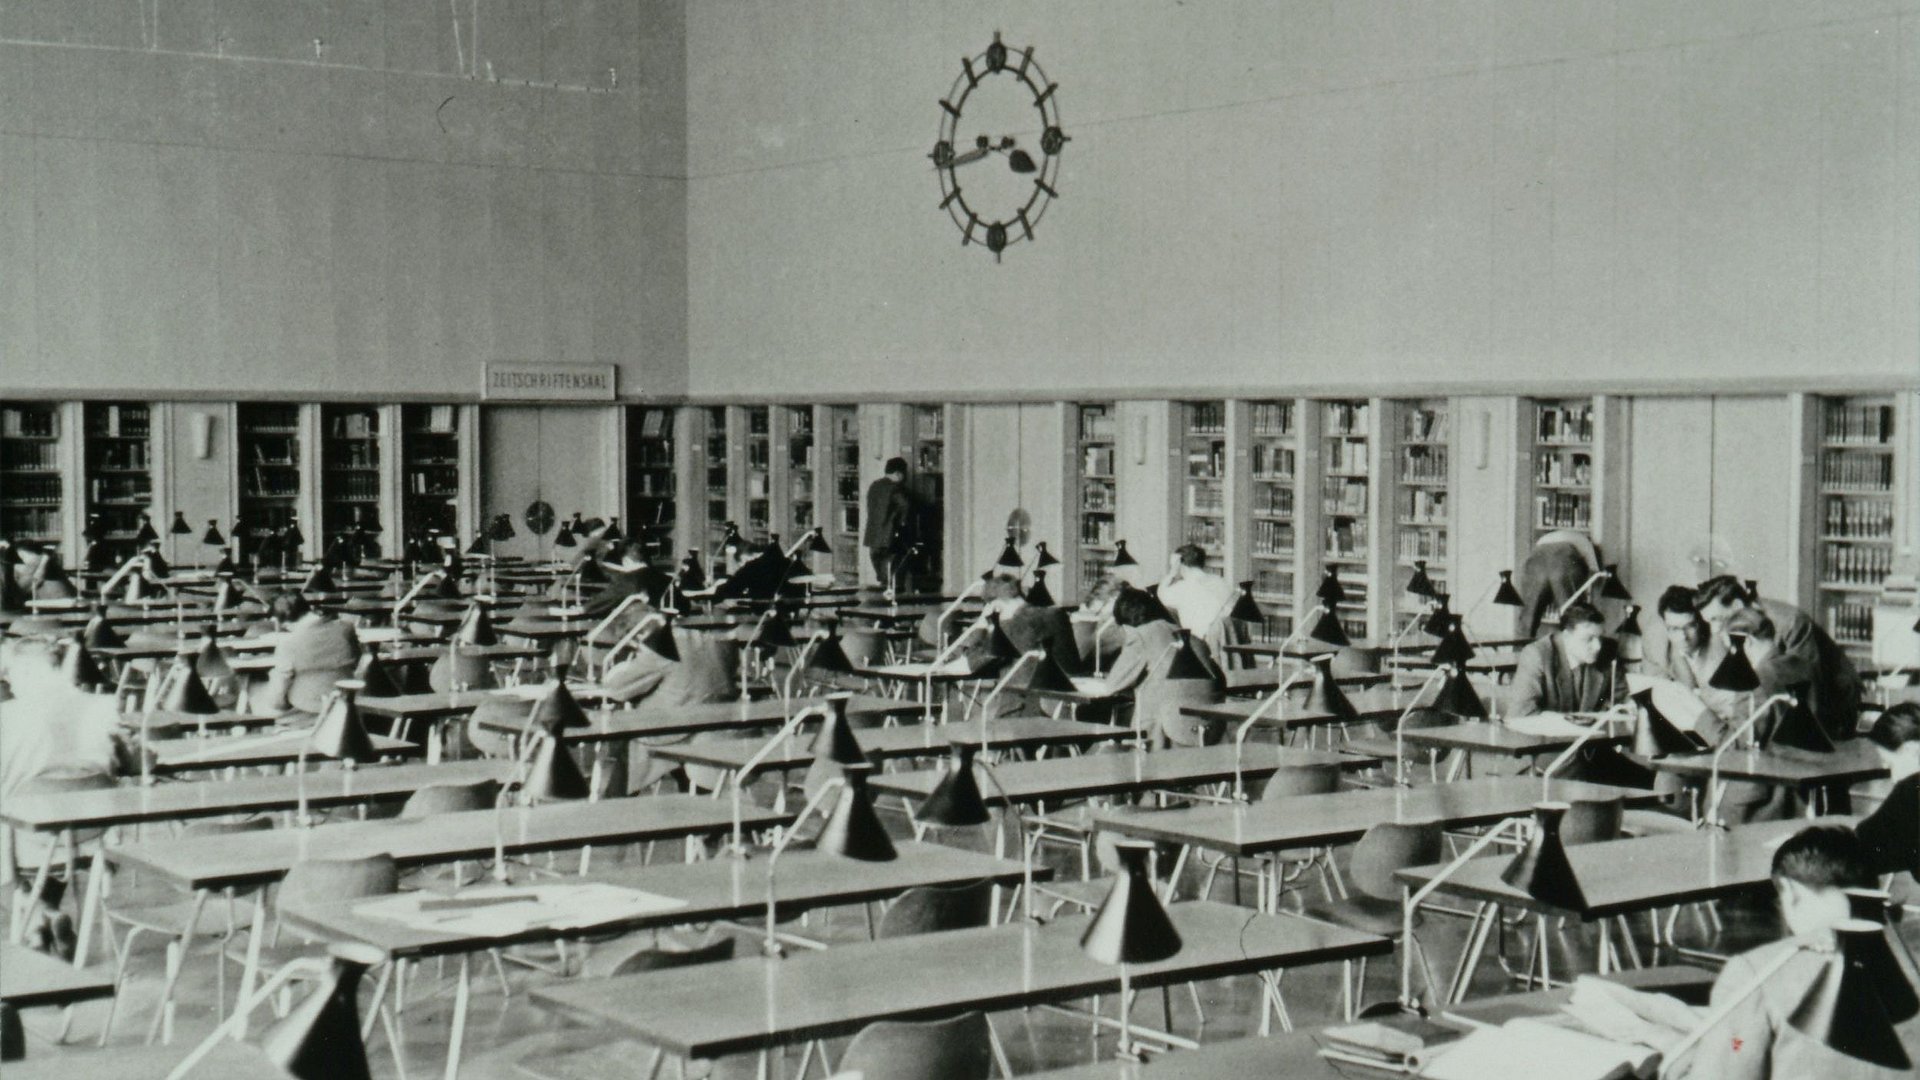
<point x="1892" y="832"/>
<point x="1689" y="651"/>
<point x="1028" y="627"/>
<point x="1811" y="872"/>
<point x="40" y="574"/>
<point x="1197" y="598"/>
<point x="49" y="728"/>
<point x="318" y="651"/>
<point x="1575" y="669"/>
<point x="1801" y="654"/>
<point x="1095" y="613"/>
<point x="1142" y="667"/>
<point x="628" y="573"/>
<point x="1771" y="802"/>
<point x="708" y="670"/>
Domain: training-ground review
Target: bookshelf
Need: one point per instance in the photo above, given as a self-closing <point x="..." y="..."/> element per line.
<point x="1096" y="428"/>
<point x="652" y="506"/>
<point x="1565" y="465"/>
<point x="1272" y="540"/>
<point x="31" y="496"/>
<point x="119" y="474"/>
<point x="843" y="531"/>
<point x="1857" y="517"/>
<point x="713" y="441"/>
<point x="430" y="470"/>
<point x="928" y="431"/>
<point x="1346" y="504"/>
<point x="268" y="463"/>
<point x="1422" y="499"/>
<point x="758" y="521"/>
<point x="350" y="473"/>
<point x="1203" y="457"/>
<point x="798" y="509"/>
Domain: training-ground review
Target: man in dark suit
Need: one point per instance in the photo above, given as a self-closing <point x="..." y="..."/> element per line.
<point x="1801" y="655"/>
<point x="889" y="516"/>
<point x="1576" y="669"/>
<point x="1892" y="833"/>
<point x="1028" y="627"/>
<point x="317" y="651"/>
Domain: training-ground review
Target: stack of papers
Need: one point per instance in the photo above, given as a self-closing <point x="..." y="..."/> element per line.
<point x="1401" y="1043"/>
<point x="507" y="910"/>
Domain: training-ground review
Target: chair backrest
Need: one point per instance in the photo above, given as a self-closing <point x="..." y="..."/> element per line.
<point x="474" y="671"/>
<point x="450" y="798"/>
<point x="953" y="1049"/>
<point x="1302" y="780"/>
<point x="490" y="743"/>
<point x="640" y="960"/>
<point x="196" y="829"/>
<point x="1352" y="661"/>
<point x="863" y="645"/>
<point x="1390" y="846"/>
<point x="1157" y="703"/>
<point x="340" y="879"/>
<point x="1588" y="821"/>
<point x="933" y="908"/>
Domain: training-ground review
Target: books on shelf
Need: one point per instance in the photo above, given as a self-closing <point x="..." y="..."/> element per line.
<point x="24" y="422"/>
<point x="1568" y="422"/>
<point x="1206" y="418"/>
<point x="1271" y="418"/>
<point x="1856" y="424"/>
<point x="1346" y="418"/>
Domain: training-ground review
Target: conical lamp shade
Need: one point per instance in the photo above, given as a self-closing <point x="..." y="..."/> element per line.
<point x="1440" y="618"/>
<point x="853" y="830"/>
<point x="501" y="528"/>
<point x="1457" y="697"/>
<point x="660" y="642"/>
<point x="1121" y="556"/>
<point x="78" y="666"/>
<point x="100" y="632"/>
<point x="319" y="580"/>
<point x="774" y="632"/>
<point x="319" y="1038"/>
<point x="1331" y="592"/>
<point x="179" y="527"/>
<point x="1844" y="1010"/>
<point x="1044" y="558"/>
<point x="1629" y="623"/>
<point x="613" y="530"/>
<point x="553" y="774"/>
<point x="1130" y="926"/>
<point x="294" y="538"/>
<point x="691" y="575"/>
<point x="1327" y="629"/>
<point x="341" y="733"/>
<point x="1542" y="868"/>
<point x="1753" y="591"/>
<point x="1876" y="955"/>
<point x="211" y="661"/>
<point x="558" y="711"/>
<point x="1453" y="649"/>
<point x="1505" y="594"/>
<point x="835" y="741"/>
<point x="479" y="545"/>
<point x="1656" y="736"/>
<point x="1420" y="584"/>
<point x="1326" y="697"/>
<point x="476" y="627"/>
<point x="339" y="552"/>
<point x="228" y="594"/>
<point x="1185" y="663"/>
<point x="1010" y="556"/>
<point x="1245" y="607"/>
<point x="817" y="542"/>
<point x="1795" y="727"/>
<point x="189" y="694"/>
<point x="1735" y="672"/>
<point x="459" y="668"/>
<point x="1612" y="587"/>
<point x="564" y="539"/>
<point x="212" y="537"/>
<point x="956" y="801"/>
<point x="147" y="534"/>
<point x="157" y="564"/>
<point x="375" y="677"/>
<point x="1040" y="595"/>
<point x="830" y="656"/>
<point x="1042" y="674"/>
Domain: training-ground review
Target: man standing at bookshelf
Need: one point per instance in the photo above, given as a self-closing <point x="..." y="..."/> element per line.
<point x="889" y="521"/>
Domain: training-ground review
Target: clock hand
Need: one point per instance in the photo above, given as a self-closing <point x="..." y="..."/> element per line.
<point x="969" y="157"/>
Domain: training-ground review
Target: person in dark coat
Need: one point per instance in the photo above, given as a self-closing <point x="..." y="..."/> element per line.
<point x="887" y="527"/>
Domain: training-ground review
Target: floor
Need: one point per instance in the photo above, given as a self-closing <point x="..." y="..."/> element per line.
<point x="500" y="1027"/>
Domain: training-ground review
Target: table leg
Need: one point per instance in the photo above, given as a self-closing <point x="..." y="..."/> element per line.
<point x="90" y="908"/>
<point x="1605" y="948"/>
<point x="434" y="729"/>
<point x="256" y="931"/>
<point x="32" y="907"/>
<point x="1475" y="948"/>
<point x="163" y="1009"/>
<point x="457" y="1033"/>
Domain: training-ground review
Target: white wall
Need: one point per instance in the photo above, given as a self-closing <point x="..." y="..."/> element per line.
<point x="1385" y="195"/>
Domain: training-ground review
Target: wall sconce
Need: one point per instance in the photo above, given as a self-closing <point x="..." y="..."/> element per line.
<point x="1483" y="437"/>
<point x="202" y="432"/>
<point x="1140" y="440"/>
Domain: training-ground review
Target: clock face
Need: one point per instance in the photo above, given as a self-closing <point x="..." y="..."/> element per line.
<point x="998" y="156"/>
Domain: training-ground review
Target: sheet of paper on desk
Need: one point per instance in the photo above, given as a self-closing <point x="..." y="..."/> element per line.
<point x="1677" y="703"/>
<point x="562" y="906"/>
<point x="1528" y="1048"/>
<point x="951" y="667"/>
<point x="1090" y="686"/>
<point x="1544" y="724"/>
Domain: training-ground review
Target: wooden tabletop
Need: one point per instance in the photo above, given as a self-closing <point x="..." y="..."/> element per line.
<point x="620" y="724"/>
<point x="1854" y="761"/>
<point x="417" y="653"/>
<point x="905" y="741"/>
<point x="919" y="671"/>
<point x="1111" y="774"/>
<point x="1486" y="663"/>
<point x="1341" y="817"/>
<point x="896" y="613"/>
<point x="1369" y="705"/>
<point x="715" y="890"/>
<point x="132" y="803"/>
<point x="753" y="1003"/>
<point x="1484" y="737"/>
<point x="220" y="721"/>
<point x="29" y="978"/>
<point x="264" y="857"/>
<point x="276" y="748"/>
<point x="1249" y="682"/>
<point x="229" y="1060"/>
<point x="1621" y="877"/>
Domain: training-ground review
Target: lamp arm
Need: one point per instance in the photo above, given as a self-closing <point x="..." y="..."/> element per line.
<point x="631" y="637"/>
<point x="1393" y="647"/>
<point x="1725" y="1009"/>
<point x="1100" y="624"/>
<point x="1558" y="763"/>
<point x="400" y="606"/>
<point x="1400" y="727"/>
<point x="800" y="661"/>
<point x="1299" y="627"/>
<point x="933" y="666"/>
<point x="1276" y="700"/>
<point x="106" y="588"/>
<point x="940" y="624"/>
<point x="1020" y="819"/>
<point x="1598" y="576"/>
<point x="517" y="778"/>
<point x="772" y="942"/>
<point x="986" y="705"/>
<point x="747" y="767"/>
<point x="1419" y="896"/>
<point x="625" y="602"/>
<point x="235" y="1022"/>
<point x="1713" y="776"/>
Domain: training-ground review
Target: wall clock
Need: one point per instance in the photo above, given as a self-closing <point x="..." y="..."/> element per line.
<point x="999" y="112"/>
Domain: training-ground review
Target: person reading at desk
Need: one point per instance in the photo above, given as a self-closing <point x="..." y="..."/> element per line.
<point x="1197" y="598"/>
<point x="1892" y="832"/>
<point x="1798" y="653"/>
<point x="1143" y="667"/>
<point x="317" y="651"/>
<point x="1575" y="670"/>
<point x="1747" y="801"/>
<point x="1811" y="872"/>
<point x="1027" y="626"/>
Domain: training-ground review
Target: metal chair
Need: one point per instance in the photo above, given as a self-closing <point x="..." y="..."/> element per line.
<point x="963" y="1047"/>
<point x="934" y="908"/>
<point x="1373" y="901"/>
<point x="1286" y="782"/>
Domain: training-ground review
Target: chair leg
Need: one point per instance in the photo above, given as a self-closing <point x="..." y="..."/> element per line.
<point x="999" y="1051"/>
